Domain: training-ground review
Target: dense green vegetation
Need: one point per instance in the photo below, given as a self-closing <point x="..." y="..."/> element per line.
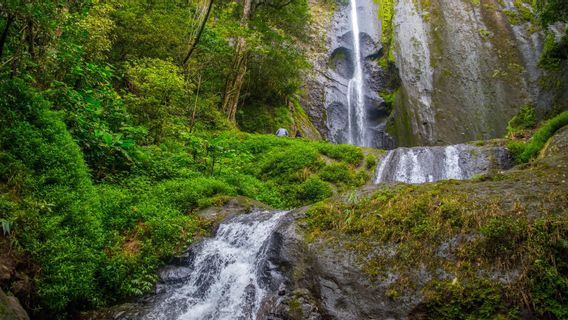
<point x="386" y="15"/>
<point x="111" y="142"/>
<point x="98" y="241"/>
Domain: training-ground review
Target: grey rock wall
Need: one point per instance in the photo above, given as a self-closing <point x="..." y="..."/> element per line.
<point x="465" y="70"/>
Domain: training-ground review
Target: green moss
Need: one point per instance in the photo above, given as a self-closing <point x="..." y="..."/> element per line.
<point x="479" y="299"/>
<point x="400" y="122"/>
<point x="386" y="14"/>
<point x="553" y="52"/>
<point x="525" y="119"/>
<point x="370" y="162"/>
<point x="342" y="152"/>
<point x="302" y="121"/>
<point x="295" y="308"/>
<point x="524" y="151"/>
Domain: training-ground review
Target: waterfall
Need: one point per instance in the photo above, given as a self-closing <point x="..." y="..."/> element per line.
<point x="430" y="164"/>
<point x="355" y="97"/>
<point x="221" y="279"/>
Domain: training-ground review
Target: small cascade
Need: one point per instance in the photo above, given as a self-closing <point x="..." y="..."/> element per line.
<point x="221" y="278"/>
<point x="355" y="94"/>
<point x="430" y="164"/>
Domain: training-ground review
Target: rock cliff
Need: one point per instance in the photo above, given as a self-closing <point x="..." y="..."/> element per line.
<point x="456" y="71"/>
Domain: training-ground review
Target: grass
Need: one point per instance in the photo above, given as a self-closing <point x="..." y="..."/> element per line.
<point x="525" y="151"/>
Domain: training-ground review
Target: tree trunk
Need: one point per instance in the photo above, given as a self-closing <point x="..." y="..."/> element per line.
<point x="30" y="37"/>
<point x="236" y="77"/>
<point x="198" y="36"/>
<point x="192" y="123"/>
<point x="4" y="35"/>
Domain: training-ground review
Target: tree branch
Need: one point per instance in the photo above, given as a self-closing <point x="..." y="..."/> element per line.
<point x="198" y="36"/>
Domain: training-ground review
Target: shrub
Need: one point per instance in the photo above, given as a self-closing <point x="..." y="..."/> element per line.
<point x="370" y="162"/>
<point x="287" y="163"/>
<point x="336" y="173"/>
<point x="61" y="227"/>
<point x="314" y="189"/>
<point x="158" y="93"/>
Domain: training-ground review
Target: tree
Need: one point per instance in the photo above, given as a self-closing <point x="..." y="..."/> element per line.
<point x="157" y="94"/>
<point x="274" y="19"/>
<point x="238" y="70"/>
<point x="200" y="22"/>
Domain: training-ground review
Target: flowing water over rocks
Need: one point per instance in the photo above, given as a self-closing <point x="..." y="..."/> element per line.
<point x="220" y="278"/>
<point x="430" y="164"/>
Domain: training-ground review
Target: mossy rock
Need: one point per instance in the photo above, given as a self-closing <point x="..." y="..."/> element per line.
<point x="10" y="308"/>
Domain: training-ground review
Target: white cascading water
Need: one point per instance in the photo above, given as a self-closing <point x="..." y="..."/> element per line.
<point x="355" y="97"/>
<point x="223" y="281"/>
<point x="430" y="164"/>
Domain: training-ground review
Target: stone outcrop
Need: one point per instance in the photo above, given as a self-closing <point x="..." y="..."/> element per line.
<point x="430" y="164"/>
<point x="327" y="277"/>
<point x="323" y="281"/>
<point x="466" y="68"/>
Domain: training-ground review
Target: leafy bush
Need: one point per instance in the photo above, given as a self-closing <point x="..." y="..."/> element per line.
<point x="157" y="94"/>
<point x="97" y="119"/>
<point x="314" y="189"/>
<point x="287" y="164"/>
<point x="337" y="173"/>
<point x="370" y="162"/>
<point x="61" y="226"/>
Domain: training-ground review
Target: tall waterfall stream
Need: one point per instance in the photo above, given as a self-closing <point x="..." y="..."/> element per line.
<point x="355" y="95"/>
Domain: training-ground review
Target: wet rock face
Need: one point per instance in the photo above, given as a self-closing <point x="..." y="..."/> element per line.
<point x="465" y="70"/>
<point x="318" y="281"/>
<point x="326" y="89"/>
<point x="430" y="164"/>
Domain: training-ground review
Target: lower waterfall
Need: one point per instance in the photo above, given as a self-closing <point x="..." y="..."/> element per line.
<point x="430" y="164"/>
<point x="221" y="278"/>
